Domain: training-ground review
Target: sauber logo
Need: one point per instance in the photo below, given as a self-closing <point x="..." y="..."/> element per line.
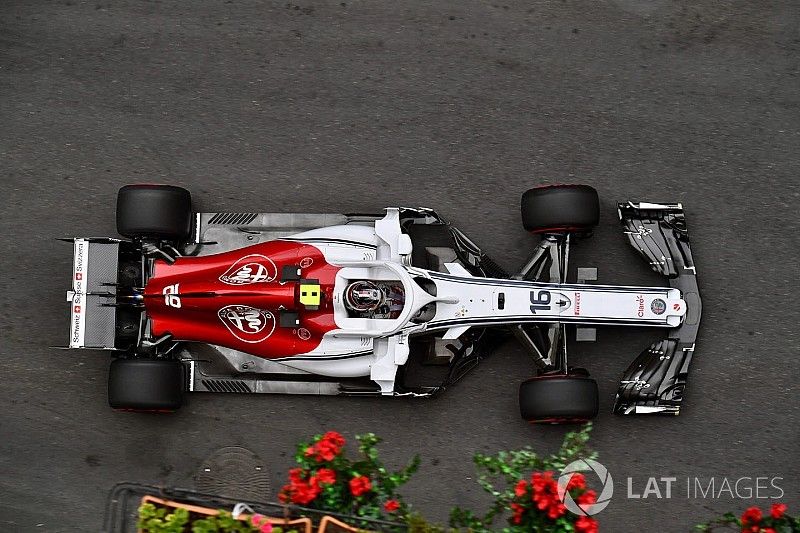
<point x="254" y="268"/>
<point x="247" y="324"/>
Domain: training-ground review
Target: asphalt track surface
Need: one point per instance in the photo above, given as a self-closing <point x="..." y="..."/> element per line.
<point x="353" y="106"/>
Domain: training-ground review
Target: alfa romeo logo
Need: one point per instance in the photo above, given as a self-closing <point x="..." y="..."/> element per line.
<point x="254" y="268"/>
<point x="658" y="306"/>
<point x="246" y="323"/>
<point x="585" y="465"/>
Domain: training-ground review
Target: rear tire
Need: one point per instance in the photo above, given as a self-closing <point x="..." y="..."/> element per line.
<point x="145" y="385"/>
<point x="560" y="208"/>
<point x="558" y="398"/>
<point x="154" y="211"/>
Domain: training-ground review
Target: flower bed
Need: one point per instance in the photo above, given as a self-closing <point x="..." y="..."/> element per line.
<point x="754" y="520"/>
<point x="360" y="490"/>
<point x="327" y="479"/>
<point x="362" y="495"/>
<point x="158" y="515"/>
<point x="526" y="493"/>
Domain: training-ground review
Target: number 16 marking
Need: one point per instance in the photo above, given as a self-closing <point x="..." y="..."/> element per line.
<point x="540" y="301"/>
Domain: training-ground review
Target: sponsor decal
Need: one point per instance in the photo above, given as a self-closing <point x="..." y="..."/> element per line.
<point x="306" y="262"/>
<point x="640" y="305"/>
<point x="171" y="297"/>
<point x="676" y="307"/>
<point x="79" y="270"/>
<point x="658" y="306"/>
<point x="254" y="268"/>
<point x="304" y="334"/>
<point x="246" y="323"/>
<point x="577" y="300"/>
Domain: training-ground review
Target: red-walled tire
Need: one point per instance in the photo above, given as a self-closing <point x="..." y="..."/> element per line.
<point x="560" y="208"/>
<point x="154" y="212"/>
<point x="558" y="398"/>
<point x="145" y="385"/>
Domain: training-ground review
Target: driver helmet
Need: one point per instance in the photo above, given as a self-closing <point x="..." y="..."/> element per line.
<point x="363" y="296"/>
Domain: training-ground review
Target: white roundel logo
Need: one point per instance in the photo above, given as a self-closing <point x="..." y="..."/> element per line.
<point x="585" y="465"/>
<point x="254" y="268"/>
<point x="246" y="323"/>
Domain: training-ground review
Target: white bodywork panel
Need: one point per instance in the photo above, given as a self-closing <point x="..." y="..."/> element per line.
<point x="378" y="347"/>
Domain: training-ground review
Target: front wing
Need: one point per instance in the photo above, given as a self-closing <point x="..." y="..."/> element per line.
<point x="655" y="380"/>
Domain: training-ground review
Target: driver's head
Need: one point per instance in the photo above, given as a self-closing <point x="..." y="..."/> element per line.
<point x="363" y="296"/>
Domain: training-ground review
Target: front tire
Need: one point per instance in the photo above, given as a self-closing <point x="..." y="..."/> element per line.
<point x="560" y="209"/>
<point x="145" y="385"/>
<point x="161" y="212"/>
<point x="558" y="398"/>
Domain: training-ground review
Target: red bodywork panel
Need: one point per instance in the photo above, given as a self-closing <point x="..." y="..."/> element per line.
<point x="233" y="299"/>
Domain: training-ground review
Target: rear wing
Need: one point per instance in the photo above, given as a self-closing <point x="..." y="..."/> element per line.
<point x="654" y="382"/>
<point x="94" y="291"/>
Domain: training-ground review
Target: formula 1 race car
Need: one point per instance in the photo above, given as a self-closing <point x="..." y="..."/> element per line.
<point x="366" y="304"/>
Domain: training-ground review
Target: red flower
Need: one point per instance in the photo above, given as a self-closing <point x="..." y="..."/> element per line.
<point x="304" y="493"/>
<point x="283" y="495"/>
<point x="326" y="476"/>
<point x="545" y="491"/>
<point x="584" y="524"/>
<point x="327" y="451"/>
<point x="334" y="438"/>
<point x="577" y="481"/>
<point x="556" y="510"/>
<point x="326" y="448"/>
<point x="359" y="485"/>
<point x="299" y="490"/>
<point x="391" y="506"/>
<point x="518" y="511"/>
<point x="261" y="522"/>
<point x="296" y="474"/>
<point x="777" y="510"/>
<point x="587" y="498"/>
<point x="752" y="516"/>
<point x="544" y="495"/>
<point x="769" y="530"/>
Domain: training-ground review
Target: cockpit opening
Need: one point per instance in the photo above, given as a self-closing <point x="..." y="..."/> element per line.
<point x="374" y="299"/>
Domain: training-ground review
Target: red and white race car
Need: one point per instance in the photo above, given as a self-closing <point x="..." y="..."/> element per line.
<point x="398" y="303"/>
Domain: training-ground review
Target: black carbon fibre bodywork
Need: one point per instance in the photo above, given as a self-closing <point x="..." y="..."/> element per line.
<point x="655" y="380"/>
